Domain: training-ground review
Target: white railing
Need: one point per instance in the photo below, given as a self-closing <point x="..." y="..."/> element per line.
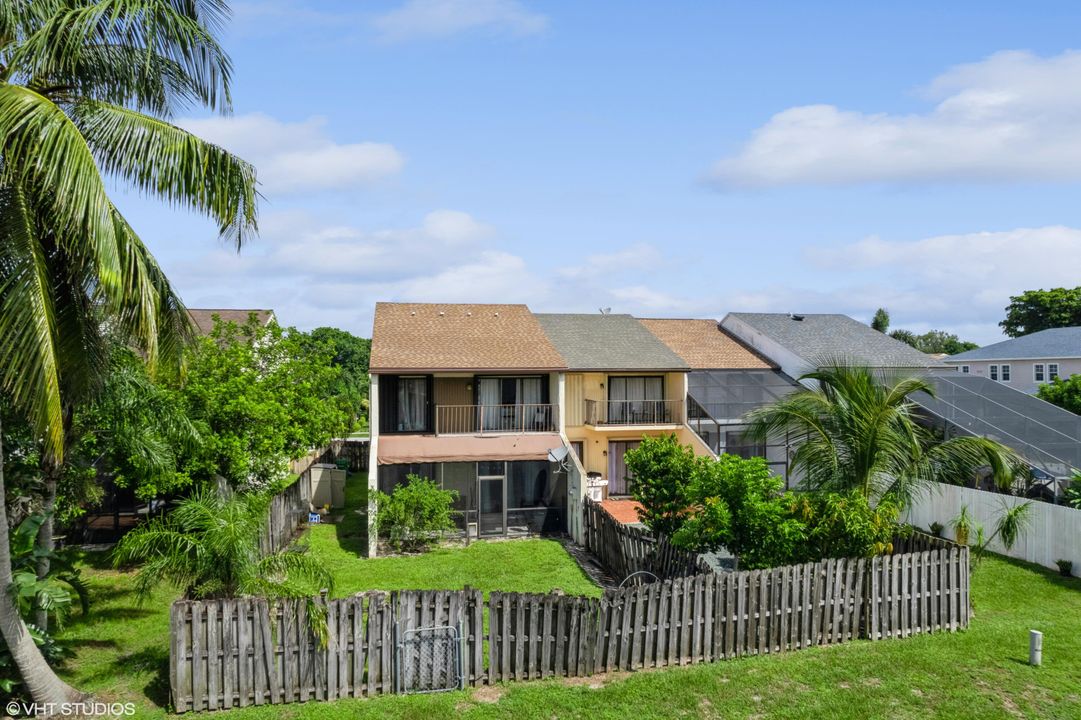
<point x="472" y="419"/>
<point x="634" y="412"/>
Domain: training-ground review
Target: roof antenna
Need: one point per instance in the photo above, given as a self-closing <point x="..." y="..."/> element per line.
<point x="605" y="311"/>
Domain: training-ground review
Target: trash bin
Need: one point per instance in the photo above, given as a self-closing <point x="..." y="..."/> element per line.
<point x="342" y="463"/>
<point x="337" y="488"/>
<point x="321" y="479"/>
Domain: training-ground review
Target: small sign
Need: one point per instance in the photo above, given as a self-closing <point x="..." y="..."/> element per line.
<point x="314" y="518"/>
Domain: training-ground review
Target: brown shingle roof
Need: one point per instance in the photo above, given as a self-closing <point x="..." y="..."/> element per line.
<point x="704" y="345"/>
<point x="428" y="336"/>
<point x="203" y="318"/>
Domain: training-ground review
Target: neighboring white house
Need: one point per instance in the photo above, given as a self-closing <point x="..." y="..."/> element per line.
<point x="1026" y="362"/>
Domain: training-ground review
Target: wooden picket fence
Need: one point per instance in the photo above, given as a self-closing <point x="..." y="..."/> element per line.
<point x="288" y="510"/>
<point x="625" y="550"/>
<point x="239" y="652"/>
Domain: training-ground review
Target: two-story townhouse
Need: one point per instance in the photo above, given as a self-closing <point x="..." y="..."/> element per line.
<point x="621" y="384"/>
<point x="1024" y="363"/>
<point x="468" y="396"/>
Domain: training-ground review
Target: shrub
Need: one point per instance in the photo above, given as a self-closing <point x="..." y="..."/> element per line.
<point x="844" y="525"/>
<point x="1065" y="567"/>
<point x="662" y="468"/>
<point x="415" y="514"/>
<point x="736" y="503"/>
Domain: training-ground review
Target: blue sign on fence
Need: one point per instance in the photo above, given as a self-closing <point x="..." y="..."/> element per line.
<point x="314" y="518"/>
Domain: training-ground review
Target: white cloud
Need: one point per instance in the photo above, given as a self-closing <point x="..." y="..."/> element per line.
<point x="1013" y="116"/>
<point x="314" y="273"/>
<point x="442" y="18"/>
<point x="596" y="267"/>
<point x="294" y="157"/>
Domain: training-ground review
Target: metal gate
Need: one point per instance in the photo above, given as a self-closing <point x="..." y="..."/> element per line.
<point x="429" y="660"/>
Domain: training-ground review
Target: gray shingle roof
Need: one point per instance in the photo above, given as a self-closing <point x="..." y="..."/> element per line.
<point x="607" y="342"/>
<point x="1045" y="344"/>
<point x="823" y="338"/>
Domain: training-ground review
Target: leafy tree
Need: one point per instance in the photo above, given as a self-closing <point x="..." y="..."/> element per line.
<point x="1064" y="392"/>
<point x="1035" y="310"/>
<point x="860" y="432"/>
<point x="86" y="88"/>
<point x="350" y="354"/>
<point x="934" y="342"/>
<point x="905" y="336"/>
<point x="258" y="396"/>
<point x="661" y="468"/>
<point x="415" y="514"/>
<point x="881" y="320"/>
<point x="208" y="547"/>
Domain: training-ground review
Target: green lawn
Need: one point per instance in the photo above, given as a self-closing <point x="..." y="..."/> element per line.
<point x="522" y="565"/>
<point x="980" y="673"/>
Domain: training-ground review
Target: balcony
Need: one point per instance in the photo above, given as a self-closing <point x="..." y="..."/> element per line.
<point x="479" y="419"/>
<point x="621" y="413"/>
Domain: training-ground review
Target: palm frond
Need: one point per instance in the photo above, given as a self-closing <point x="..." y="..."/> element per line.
<point x="29" y="362"/>
<point x="161" y="159"/>
<point x="45" y="154"/>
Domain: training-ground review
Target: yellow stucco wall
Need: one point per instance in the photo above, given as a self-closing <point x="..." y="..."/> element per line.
<point x="593" y="386"/>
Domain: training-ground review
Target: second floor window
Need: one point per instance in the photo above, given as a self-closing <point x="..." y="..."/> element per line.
<point x="412" y="404"/>
<point x="1038" y="372"/>
<point x="993" y="372"/>
<point x="1005" y="373"/>
<point x="636" y="399"/>
<point x="1052" y="371"/>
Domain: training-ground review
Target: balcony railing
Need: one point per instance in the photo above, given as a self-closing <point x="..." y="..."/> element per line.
<point x="473" y="419"/>
<point x="634" y="412"/>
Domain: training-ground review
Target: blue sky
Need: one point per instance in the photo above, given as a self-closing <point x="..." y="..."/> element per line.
<point x="664" y="159"/>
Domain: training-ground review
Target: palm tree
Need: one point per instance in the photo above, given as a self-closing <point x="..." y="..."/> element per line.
<point x="858" y="430"/>
<point x="86" y="91"/>
<point x="209" y="547"/>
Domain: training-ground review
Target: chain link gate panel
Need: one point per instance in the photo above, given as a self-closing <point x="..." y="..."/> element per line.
<point x="429" y="660"/>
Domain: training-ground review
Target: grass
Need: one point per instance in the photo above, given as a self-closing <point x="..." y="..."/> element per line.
<point x="522" y="565"/>
<point x="981" y="673"/>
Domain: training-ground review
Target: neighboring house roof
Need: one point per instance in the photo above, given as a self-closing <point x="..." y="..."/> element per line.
<point x="203" y="318"/>
<point x="825" y="338"/>
<point x="607" y="342"/>
<point x="430" y="336"/>
<point x="1046" y="344"/>
<point x="703" y="345"/>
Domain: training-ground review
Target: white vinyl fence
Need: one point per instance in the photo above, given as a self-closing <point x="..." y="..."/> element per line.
<point x="1054" y="531"/>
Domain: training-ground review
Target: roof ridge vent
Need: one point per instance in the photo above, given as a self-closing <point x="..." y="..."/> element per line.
<point x="797" y="318"/>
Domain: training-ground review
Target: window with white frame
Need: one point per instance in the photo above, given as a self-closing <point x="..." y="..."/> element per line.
<point x="1005" y="373"/>
<point x="964" y="369"/>
<point x="992" y="371"/>
<point x="1052" y="371"/>
<point x="1038" y="372"/>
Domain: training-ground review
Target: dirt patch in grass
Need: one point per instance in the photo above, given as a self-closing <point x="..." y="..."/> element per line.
<point x="488" y="694"/>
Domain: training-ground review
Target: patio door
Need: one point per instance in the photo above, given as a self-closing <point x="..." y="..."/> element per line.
<point x="491" y="498"/>
<point x="617" y="466"/>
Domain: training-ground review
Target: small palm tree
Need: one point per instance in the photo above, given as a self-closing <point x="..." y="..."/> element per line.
<point x="858" y="429"/>
<point x="208" y="547"/>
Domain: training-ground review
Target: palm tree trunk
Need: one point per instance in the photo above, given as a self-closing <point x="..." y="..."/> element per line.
<point x="46" y="542"/>
<point x="43" y="684"/>
<point x="46" y="539"/>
